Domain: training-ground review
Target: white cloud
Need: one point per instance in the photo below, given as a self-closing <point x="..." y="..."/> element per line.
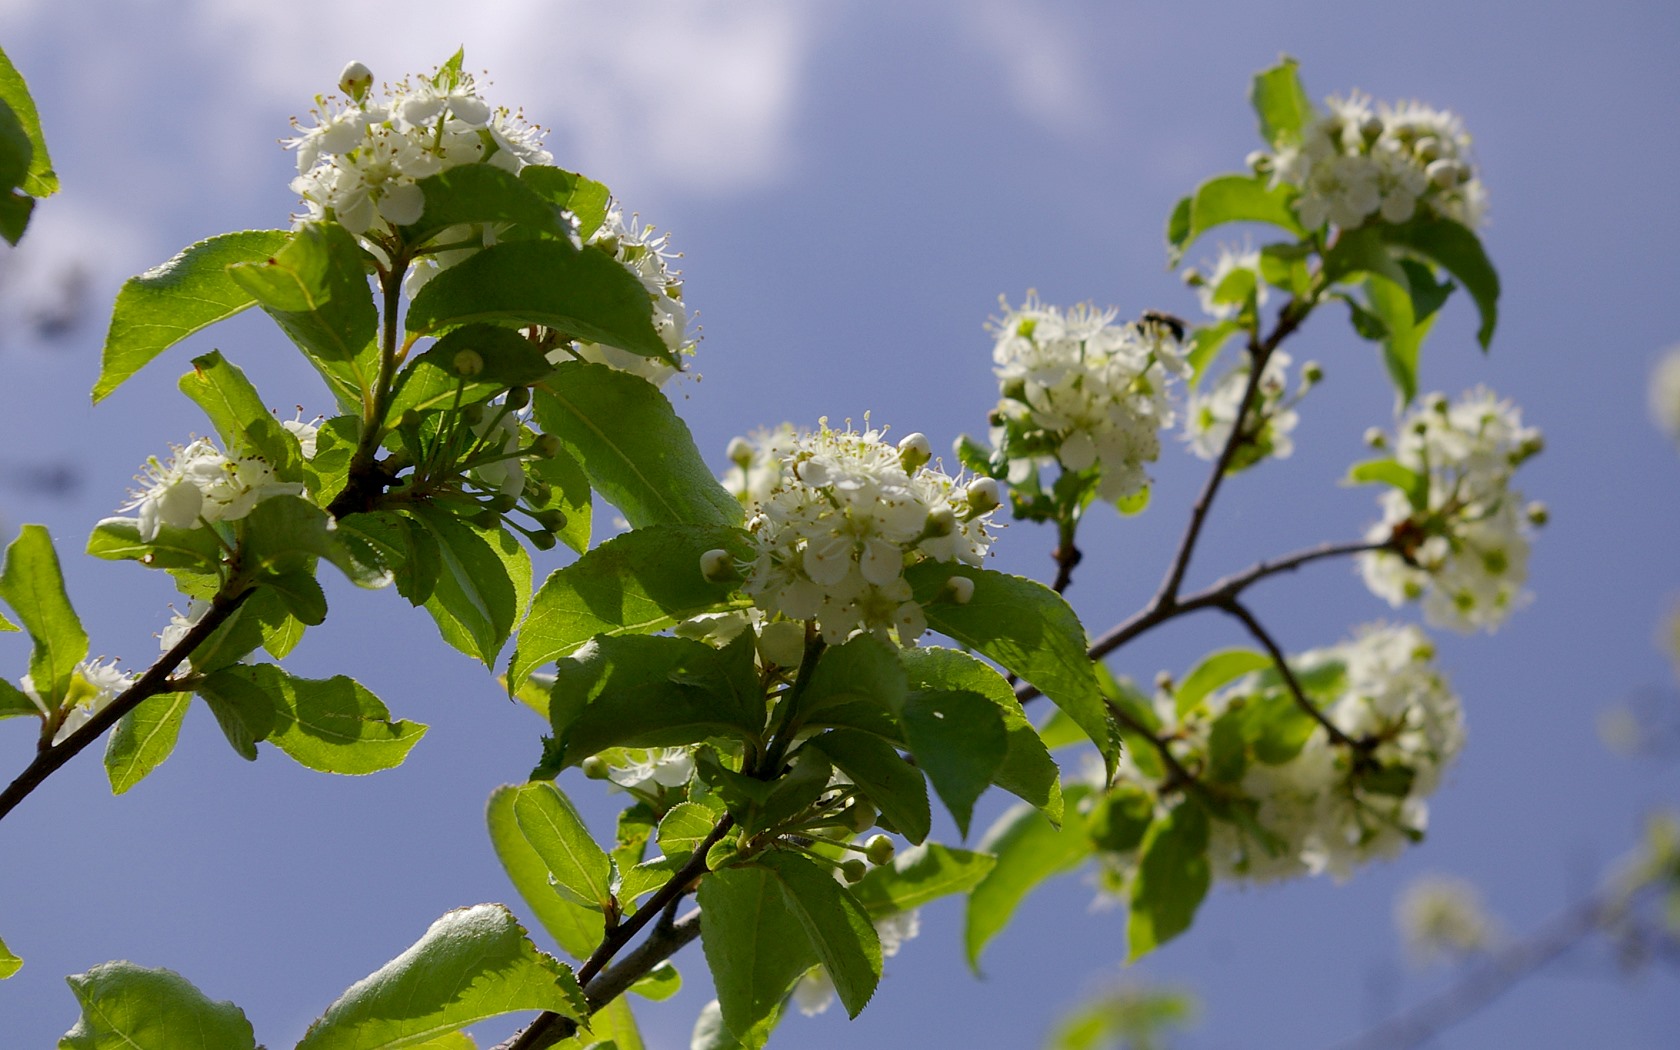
<point x="1043" y="58"/>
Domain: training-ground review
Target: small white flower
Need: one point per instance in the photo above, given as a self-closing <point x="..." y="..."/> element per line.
<point x="1442" y="918"/>
<point x="663" y="766"/>
<point x="93" y="685"/>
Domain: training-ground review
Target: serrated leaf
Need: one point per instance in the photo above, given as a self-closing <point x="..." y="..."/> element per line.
<point x="39" y="179"/>
<point x="1029" y="849"/>
<point x="755" y="946"/>
<point x="585" y="198"/>
<point x="483" y="584"/>
<point x="143" y="739"/>
<point x="1120" y="818"/>
<point x="584" y="294"/>
<point x="187" y="294"/>
<point x="637" y="452"/>
<point x="859" y="684"/>
<point x="895" y="787"/>
<point x="581" y="869"/>
<point x="469" y="194"/>
<point x="1281" y="103"/>
<point x="1027" y="770"/>
<point x="660" y="983"/>
<point x="239" y="415"/>
<point x="1455" y="248"/>
<point x="129" y="1007"/>
<point x="684" y="827"/>
<point x="31" y="583"/>
<point x="1028" y="629"/>
<point x="959" y="740"/>
<point x="332" y="725"/>
<point x="837" y="926"/>
<point x="1172" y="878"/>
<point x="918" y="876"/>
<point x="639" y="582"/>
<point x="575" y="928"/>
<point x="473" y="964"/>
<point x="1214" y="671"/>
<point x="1230" y="198"/>
<point x="15" y="212"/>
<point x="287" y="533"/>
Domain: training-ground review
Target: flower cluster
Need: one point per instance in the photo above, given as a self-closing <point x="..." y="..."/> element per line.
<point x="361" y="161"/>
<point x="1442" y="919"/>
<point x="1270" y="419"/>
<point x="1083" y="391"/>
<point x="837" y="516"/>
<point x="1327" y="807"/>
<point x="93" y="685"/>
<point x="1391" y="162"/>
<point x="1462" y="534"/>
<point x="651" y="261"/>
<point x="200" y="484"/>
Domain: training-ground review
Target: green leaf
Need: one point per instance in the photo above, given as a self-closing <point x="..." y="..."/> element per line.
<point x="473" y="964"/>
<point x="33" y="586"/>
<point x="895" y="787"/>
<point x="1028" y="629"/>
<point x="958" y="738"/>
<point x="6" y="625"/>
<point x="918" y="876"/>
<point x="1029" y="850"/>
<point x="684" y="827"/>
<point x="637" y="452"/>
<point x="301" y="595"/>
<point x="1120" y="818"/>
<point x="430" y="380"/>
<point x="585" y="198"/>
<point x="1276" y="727"/>
<point x="1391" y="472"/>
<point x="661" y="982"/>
<point x="15" y="152"/>
<point x="119" y="539"/>
<point x="658" y="691"/>
<point x="187" y="294"/>
<point x="129" y="1007"/>
<point x="15" y="211"/>
<point x="315" y="286"/>
<point x="483" y="584"/>
<point x="642" y="581"/>
<point x="239" y="415"/>
<point x="9" y="963"/>
<point x="584" y="294"/>
<point x="859" y="684"/>
<point x="1407" y="313"/>
<point x="1205" y="343"/>
<point x="838" y="927"/>
<point x="612" y="1027"/>
<point x="1230" y="198"/>
<point x="332" y="725"/>
<point x="469" y="194"/>
<point x="1213" y="672"/>
<point x="40" y="180"/>
<point x="581" y="869"/>
<point x="143" y="738"/>
<point x="576" y="928"/>
<point x="755" y="946"/>
<point x="1459" y="251"/>
<point x="1172" y="878"/>
<point x="569" y="493"/>
<point x="14" y="702"/>
<point x="1281" y="103"/>
<point x="710" y="1033"/>
<point x="1027" y="770"/>
<point x="287" y="533"/>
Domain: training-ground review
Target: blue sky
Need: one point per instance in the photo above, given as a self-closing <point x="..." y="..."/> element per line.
<point x="854" y="185"/>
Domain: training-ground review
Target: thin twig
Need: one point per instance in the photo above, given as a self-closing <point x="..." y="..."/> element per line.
<point x="1236" y="609"/>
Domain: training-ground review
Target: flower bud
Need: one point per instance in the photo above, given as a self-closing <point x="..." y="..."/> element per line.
<point x="501" y="503"/>
<point x="958" y="590"/>
<point x="984" y="494"/>
<point x="718" y="565"/>
<point x="854" y="870"/>
<point x="594" y="767"/>
<point x="473" y="414"/>
<point x="546" y="446"/>
<point x="537" y="492"/>
<point x="467" y="363"/>
<point x="1375" y="438"/>
<point x="914" y="451"/>
<point x="879" y="849"/>
<point x="862" y="816"/>
<point x="782" y="642"/>
<point x="1538" y="513"/>
<point x="486" y="519"/>
<point x="1259" y="162"/>
<point x="1445" y="174"/>
<point x="1164" y="682"/>
<point x="740" y="452"/>
<point x="410" y="419"/>
<point x="518" y="397"/>
<point x="355" y="80"/>
<point x="1428" y="148"/>
<point x="553" y="519"/>
<point x="1371" y="128"/>
<point x="543" y="541"/>
<point x="940" y="522"/>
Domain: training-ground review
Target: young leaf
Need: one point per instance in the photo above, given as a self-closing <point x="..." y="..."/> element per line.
<point x="33" y="586"/>
<point x="1281" y="103"/>
<point x="1027" y="770"/>
<point x="187" y="294"/>
<point x="642" y="581"/>
<point x="581" y="869"/>
<point x="585" y="198"/>
<point x="1392" y="472"/>
<point x="860" y="684"/>
<point x="1459" y="251"/>
<point x="1406" y="323"/>
<point x="919" y="875"/>
<point x="661" y="982"/>
<point x="39" y="179"/>
<point x="119" y="539"/>
<point x="1027" y="628"/>
<point x="836" y="924"/>
<point x="1230" y="198"/>
<point x="478" y="193"/>
<point x="473" y="964"/>
<point x="1172" y="878"/>
<point x="612" y="1027"/>
<point x="637" y="452"/>
<point x="14" y="702"/>
<point x="959" y="739"/>
<point x="1029" y="849"/>
<point x="577" y="929"/>
<point x="126" y="1006"/>
<point x="755" y="945"/>
<point x="239" y="415"/>
<point x="1120" y="818"/>
<point x="483" y="583"/>
<point x="9" y="963"/>
<point x="332" y="725"/>
<point x="684" y="827"/>
<point x="143" y="738"/>
<point x="895" y="787"/>
<point x="656" y="691"/>
<point x="1213" y="672"/>
<point x="585" y="294"/>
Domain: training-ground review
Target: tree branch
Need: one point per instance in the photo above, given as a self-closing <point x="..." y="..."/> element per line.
<point x="1236" y="609"/>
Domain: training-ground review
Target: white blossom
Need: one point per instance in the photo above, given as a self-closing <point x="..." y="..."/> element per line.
<point x="200" y="484"/>
<point x="93" y="685"/>
<point x="1211" y="412"/>
<point x="663" y="766"/>
<point x="649" y="258"/>
<point x="1442" y="918"/>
